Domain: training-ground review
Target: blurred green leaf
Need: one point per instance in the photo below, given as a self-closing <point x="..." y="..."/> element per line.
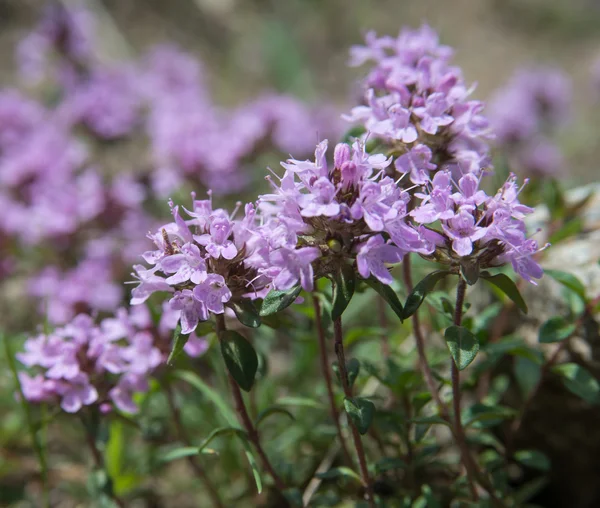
<point x="463" y="345"/>
<point x="240" y="358"/>
<point x="569" y="281"/>
<point x="181" y="452"/>
<point x="528" y="374"/>
<point x="579" y="381"/>
<point x="352" y="369"/>
<point x="508" y="287"/>
<point x="179" y="342"/>
<point x="222" y="431"/>
<point x="556" y="329"/>
<point x="533" y="459"/>
<point x="339" y="472"/>
<point x="485" y="415"/>
<point x="300" y="401"/>
<point x="388" y="464"/>
<point x="265" y="413"/>
<point x="361" y="411"/>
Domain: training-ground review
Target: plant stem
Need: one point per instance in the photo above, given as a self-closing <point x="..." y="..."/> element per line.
<point x="325" y="368"/>
<point x="99" y="461"/>
<point x="183" y="437"/>
<point x="240" y="407"/>
<point x="420" y="343"/>
<point x="459" y="431"/>
<point x="37" y="445"/>
<point x="360" y="452"/>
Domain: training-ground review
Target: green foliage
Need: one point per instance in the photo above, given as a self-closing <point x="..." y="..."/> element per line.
<point x="579" y="381"/>
<point x="247" y="313"/>
<point x="344" y="283"/>
<point x="508" y="287"/>
<point x="556" y="329"/>
<point x="361" y="411"/>
<point x="339" y="472"/>
<point x="463" y="345"/>
<point x="276" y="301"/>
<point x="388" y="294"/>
<point x="240" y="358"/>
<point x="569" y="281"/>
<point x="421" y="290"/>
<point x="533" y="459"/>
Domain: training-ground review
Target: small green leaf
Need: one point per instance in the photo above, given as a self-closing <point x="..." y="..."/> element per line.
<point x="263" y="415"/>
<point x="361" y="412"/>
<point x="222" y="431"/>
<point x="469" y="270"/>
<point x="184" y="451"/>
<point x="579" y="381"/>
<point x="344" y="282"/>
<point x="240" y="357"/>
<point x="528" y="374"/>
<point x="569" y="281"/>
<point x="420" y="291"/>
<point x="300" y="402"/>
<point x="430" y="420"/>
<point x="339" y="472"/>
<point x="354" y="132"/>
<point x="294" y="496"/>
<point x="388" y="294"/>
<point x="246" y="312"/>
<point x="388" y="464"/>
<point x="556" y="329"/>
<point x="276" y="300"/>
<point x="352" y="369"/>
<point x="533" y="459"/>
<point x="179" y="342"/>
<point x="484" y="415"/>
<point x="508" y="287"/>
<point x="463" y="345"/>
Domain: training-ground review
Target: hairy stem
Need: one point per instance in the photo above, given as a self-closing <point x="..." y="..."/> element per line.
<point x="245" y="419"/>
<point x="459" y="431"/>
<point x="183" y="437"/>
<point x="360" y="452"/>
<point x="325" y="368"/>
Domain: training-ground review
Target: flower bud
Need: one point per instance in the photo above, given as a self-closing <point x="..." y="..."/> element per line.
<point x="341" y="154"/>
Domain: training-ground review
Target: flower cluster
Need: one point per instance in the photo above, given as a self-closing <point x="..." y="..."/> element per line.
<point x="476" y="229"/>
<point x="347" y="209"/>
<point x="84" y="364"/>
<point x="417" y="103"/>
<point x="525" y="113"/>
<point x="206" y="261"/>
<point x="105" y="364"/>
<point x="71" y="172"/>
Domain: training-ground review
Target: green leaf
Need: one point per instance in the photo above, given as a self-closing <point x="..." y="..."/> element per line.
<point x="300" y="401"/>
<point x="339" y="472"/>
<point x="246" y="312"/>
<point x="361" y="412"/>
<point x="556" y="329"/>
<point x="263" y="415"/>
<point x="276" y="300"/>
<point x="508" y="287"/>
<point x="469" y="270"/>
<point x="420" y="291"/>
<point x="294" y="496"/>
<point x="485" y="415"/>
<point x="184" y="451"/>
<point x="569" y="281"/>
<point x="222" y="431"/>
<point x="388" y="294"/>
<point x="533" y="459"/>
<point x="463" y="345"/>
<point x="579" y="381"/>
<point x="240" y="358"/>
<point x="226" y="412"/>
<point x="354" y="132"/>
<point x="344" y="282"/>
<point x="528" y="374"/>
<point x="352" y="369"/>
<point x="178" y="342"/>
<point x="388" y="464"/>
<point x="430" y="420"/>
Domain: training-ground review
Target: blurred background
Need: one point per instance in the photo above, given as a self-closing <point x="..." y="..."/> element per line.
<point x="301" y="46"/>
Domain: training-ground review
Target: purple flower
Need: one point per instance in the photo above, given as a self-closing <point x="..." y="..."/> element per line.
<point x="192" y="310"/>
<point x="320" y="201"/>
<point x="433" y="114"/>
<point x="463" y="231"/>
<point x="149" y="283"/>
<point x="213" y="293"/>
<point x="76" y="393"/>
<point x="217" y="242"/>
<point x="417" y="162"/>
<point x="122" y="394"/>
<point x="372" y="256"/>
<point x="293" y="265"/>
<point x="186" y="265"/>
